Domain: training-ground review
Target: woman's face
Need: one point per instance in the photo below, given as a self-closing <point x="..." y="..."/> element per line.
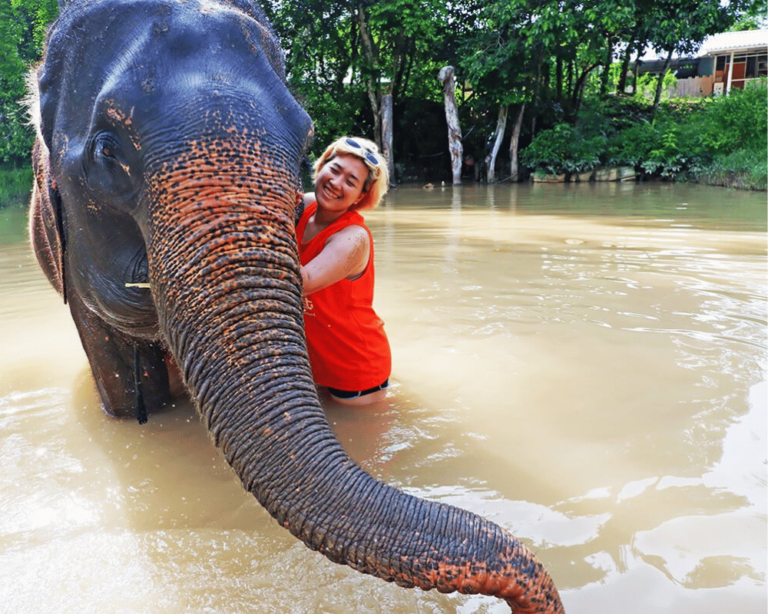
<point x="339" y="183"/>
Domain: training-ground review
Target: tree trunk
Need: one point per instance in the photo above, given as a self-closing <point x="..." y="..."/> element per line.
<point x="636" y="72"/>
<point x="386" y="135"/>
<point x="635" y="76"/>
<point x="376" y="111"/>
<point x="452" y="118"/>
<point x="535" y="98"/>
<point x="606" y="75"/>
<point x="633" y="44"/>
<point x="578" y="89"/>
<point x="513" y="144"/>
<point x="622" y="85"/>
<point x="659" y="85"/>
<point x="371" y="81"/>
<point x="490" y="160"/>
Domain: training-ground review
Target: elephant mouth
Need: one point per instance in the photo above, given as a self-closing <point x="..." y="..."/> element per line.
<point x="138" y="271"/>
<point x="131" y="308"/>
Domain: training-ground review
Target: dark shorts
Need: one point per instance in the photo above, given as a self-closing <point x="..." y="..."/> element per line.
<point x="353" y="394"/>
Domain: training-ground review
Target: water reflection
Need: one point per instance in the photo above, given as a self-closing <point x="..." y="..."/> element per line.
<point x="585" y="365"/>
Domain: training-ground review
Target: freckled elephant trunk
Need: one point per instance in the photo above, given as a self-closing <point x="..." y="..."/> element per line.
<point x="225" y="278"/>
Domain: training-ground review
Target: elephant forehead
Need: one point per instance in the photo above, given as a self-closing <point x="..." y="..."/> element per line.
<point x="152" y="41"/>
<point x="145" y="63"/>
<point x="186" y="25"/>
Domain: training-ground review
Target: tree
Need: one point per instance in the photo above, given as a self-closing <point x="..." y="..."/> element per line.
<point x="321" y="44"/>
<point x="501" y="68"/>
<point x="393" y="34"/>
<point x="22" y="31"/>
<point x="339" y="54"/>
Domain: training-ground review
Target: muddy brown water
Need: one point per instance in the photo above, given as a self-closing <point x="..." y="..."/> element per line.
<point x="585" y="365"/>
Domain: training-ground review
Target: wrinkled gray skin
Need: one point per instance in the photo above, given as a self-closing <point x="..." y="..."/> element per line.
<point x="168" y="154"/>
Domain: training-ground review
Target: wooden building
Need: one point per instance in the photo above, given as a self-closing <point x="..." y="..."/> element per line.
<point x="724" y="62"/>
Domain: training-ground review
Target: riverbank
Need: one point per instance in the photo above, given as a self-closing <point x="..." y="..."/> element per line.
<point x="714" y="141"/>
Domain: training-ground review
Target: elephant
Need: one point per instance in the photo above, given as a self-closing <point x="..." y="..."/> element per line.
<point x="166" y="163"/>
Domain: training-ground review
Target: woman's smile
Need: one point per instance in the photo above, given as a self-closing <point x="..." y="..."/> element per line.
<point x="340" y="183"/>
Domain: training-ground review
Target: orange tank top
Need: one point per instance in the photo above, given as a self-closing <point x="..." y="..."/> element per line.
<point x="347" y="346"/>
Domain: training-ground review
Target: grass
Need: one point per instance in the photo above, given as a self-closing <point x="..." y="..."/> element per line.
<point x="747" y="170"/>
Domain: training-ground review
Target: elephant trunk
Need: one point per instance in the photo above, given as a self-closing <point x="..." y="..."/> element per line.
<point x="225" y="279"/>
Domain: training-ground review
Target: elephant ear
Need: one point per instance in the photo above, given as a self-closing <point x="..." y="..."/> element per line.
<point x="46" y="216"/>
<point x="46" y="220"/>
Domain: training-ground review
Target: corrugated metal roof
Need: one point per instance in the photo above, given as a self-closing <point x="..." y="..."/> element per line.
<point x="727" y="41"/>
<point x="721" y="43"/>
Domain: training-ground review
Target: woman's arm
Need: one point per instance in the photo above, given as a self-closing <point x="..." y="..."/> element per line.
<point x="344" y="256"/>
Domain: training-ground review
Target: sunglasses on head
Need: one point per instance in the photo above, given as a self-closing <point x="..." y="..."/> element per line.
<point x="368" y="155"/>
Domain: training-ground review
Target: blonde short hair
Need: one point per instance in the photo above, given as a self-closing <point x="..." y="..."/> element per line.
<point x="377" y="182"/>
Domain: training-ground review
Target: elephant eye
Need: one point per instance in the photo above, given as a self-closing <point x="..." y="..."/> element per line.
<point x="107" y="169"/>
<point x="105" y="146"/>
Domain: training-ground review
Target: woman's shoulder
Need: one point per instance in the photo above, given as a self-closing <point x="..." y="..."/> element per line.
<point x="352" y="231"/>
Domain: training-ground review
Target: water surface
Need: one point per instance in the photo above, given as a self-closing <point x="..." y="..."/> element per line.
<point x="585" y="365"/>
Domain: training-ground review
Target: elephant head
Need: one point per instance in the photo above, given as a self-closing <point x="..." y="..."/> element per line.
<point x="166" y="166"/>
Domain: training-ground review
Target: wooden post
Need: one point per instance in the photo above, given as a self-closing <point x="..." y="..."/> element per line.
<point x="386" y="135"/>
<point x="730" y="75"/>
<point x="501" y="126"/>
<point x="452" y="118"/>
<point x="513" y="145"/>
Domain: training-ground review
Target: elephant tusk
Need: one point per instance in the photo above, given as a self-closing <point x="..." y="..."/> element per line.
<point x="139" y="285"/>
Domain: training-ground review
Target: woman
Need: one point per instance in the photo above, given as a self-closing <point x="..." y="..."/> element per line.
<point x="348" y="349"/>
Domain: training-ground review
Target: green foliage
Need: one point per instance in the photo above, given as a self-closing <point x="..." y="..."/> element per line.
<point x="737" y="121"/>
<point x="666" y="159"/>
<point x="733" y="130"/>
<point x="645" y="86"/>
<point x="334" y="115"/>
<point x="15" y="186"/>
<point x="343" y="56"/>
<point x="16" y="136"/>
<point x="752" y="17"/>
<point x="22" y="31"/>
<point x="632" y="146"/>
<point x="563" y="149"/>
<point x="721" y="139"/>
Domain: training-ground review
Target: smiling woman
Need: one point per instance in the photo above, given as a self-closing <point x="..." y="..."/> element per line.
<point x="348" y="348"/>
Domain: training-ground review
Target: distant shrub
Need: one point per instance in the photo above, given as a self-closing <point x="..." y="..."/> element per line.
<point x="737" y="121"/>
<point x="632" y="146"/>
<point x="733" y="131"/>
<point x="645" y="88"/>
<point x="563" y="149"/>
